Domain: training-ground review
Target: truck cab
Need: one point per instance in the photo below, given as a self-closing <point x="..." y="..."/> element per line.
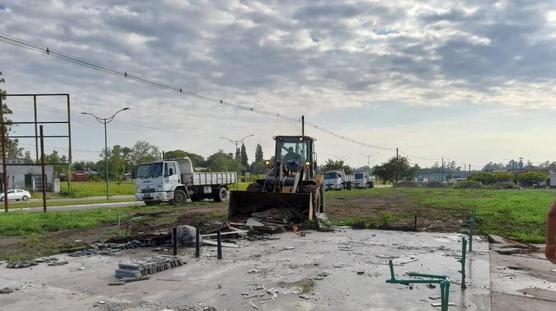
<point x="175" y="181"/>
<point x="362" y="180"/>
<point x="334" y="180"/>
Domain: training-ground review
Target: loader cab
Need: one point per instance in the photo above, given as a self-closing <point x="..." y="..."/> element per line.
<point x="296" y="152"/>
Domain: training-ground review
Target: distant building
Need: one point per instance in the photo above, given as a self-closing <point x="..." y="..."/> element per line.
<point x="80" y="176"/>
<point x="28" y="176"/>
<point x="552" y="175"/>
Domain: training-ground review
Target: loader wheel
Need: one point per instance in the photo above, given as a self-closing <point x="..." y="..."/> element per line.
<point x="321" y="207"/>
<point x="220" y="195"/>
<point x="180" y="197"/>
<point x="254" y="187"/>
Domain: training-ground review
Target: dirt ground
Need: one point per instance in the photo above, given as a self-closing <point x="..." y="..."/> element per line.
<point x="139" y="223"/>
<point x="392" y="212"/>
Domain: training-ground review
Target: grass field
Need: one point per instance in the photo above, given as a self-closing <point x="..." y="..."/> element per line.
<point x="91" y="189"/>
<point x="519" y="214"/>
<point x="64" y="202"/>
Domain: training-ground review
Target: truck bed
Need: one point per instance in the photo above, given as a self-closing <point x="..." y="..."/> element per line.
<point x="209" y="178"/>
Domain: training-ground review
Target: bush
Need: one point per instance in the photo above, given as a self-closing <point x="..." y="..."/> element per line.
<point x="484" y="178"/>
<point x="503" y="177"/>
<point x="530" y="179"/>
<point x="504" y="185"/>
<point x="408" y="184"/>
<point x="468" y="184"/>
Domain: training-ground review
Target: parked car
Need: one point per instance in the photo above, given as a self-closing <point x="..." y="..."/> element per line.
<point x="17" y="195"/>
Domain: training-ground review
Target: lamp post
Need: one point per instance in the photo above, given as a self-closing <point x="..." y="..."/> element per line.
<point x="105" y="121"/>
<point x="236" y="142"/>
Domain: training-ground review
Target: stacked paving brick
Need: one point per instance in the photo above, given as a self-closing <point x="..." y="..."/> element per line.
<point x="146" y="266"/>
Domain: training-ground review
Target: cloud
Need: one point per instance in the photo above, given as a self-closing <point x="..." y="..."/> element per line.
<point x="292" y="57"/>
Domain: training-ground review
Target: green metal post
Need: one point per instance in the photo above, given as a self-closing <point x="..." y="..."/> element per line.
<point x="471" y="223"/>
<point x="462" y="261"/>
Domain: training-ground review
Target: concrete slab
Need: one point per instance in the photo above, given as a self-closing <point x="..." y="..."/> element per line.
<point x="522" y="282"/>
<point x="342" y="270"/>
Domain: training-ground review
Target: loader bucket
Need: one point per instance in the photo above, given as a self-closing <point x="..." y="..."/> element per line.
<point x="295" y="205"/>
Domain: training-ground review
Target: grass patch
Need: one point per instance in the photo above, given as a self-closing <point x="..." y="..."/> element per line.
<point x="91" y="189"/>
<point x="517" y="214"/>
<point x="63" y="202"/>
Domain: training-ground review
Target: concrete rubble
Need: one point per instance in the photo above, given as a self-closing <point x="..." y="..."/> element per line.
<point x="146" y="266"/>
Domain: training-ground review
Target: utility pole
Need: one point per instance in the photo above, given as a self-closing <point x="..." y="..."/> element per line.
<point x="105" y="121"/>
<point x="236" y="142"/>
<point x="442" y="171"/>
<point x="4" y="156"/>
<point x="397" y="166"/>
<point x="302" y="126"/>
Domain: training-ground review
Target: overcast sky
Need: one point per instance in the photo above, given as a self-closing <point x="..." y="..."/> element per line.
<point x="469" y="80"/>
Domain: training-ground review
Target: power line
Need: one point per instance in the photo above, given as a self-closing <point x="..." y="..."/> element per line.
<point x="179" y="90"/>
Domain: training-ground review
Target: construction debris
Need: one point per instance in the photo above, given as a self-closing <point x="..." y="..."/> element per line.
<point x="106" y="248"/>
<point x="21" y="264"/>
<point x="137" y="270"/>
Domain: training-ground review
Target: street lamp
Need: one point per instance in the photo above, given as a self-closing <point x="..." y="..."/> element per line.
<point x="105" y="121"/>
<point x="236" y="142"/>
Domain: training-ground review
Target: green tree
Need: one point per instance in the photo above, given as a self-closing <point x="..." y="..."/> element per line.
<point x="484" y="178"/>
<point x="244" y="159"/>
<point x="142" y="152"/>
<point x="220" y="161"/>
<point x="259" y="156"/>
<point x="54" y="157"/>
<point x="332" y="165"/>
<point x="530" y="179"/>
<point x="14" y="151"/>
<point x="27" y="158"/>
<point x="197" y="160"/>
<point x="503" y="177"/>
<point x="396" y="167"/>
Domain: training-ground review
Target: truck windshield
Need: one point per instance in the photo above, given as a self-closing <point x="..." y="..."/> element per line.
<point x="149" y="170"/>
<point x="330" y="175"/>
<point x="359" y="175"/>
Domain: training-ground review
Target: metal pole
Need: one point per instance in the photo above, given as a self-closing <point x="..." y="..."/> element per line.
<point x="4" y="157"/>
<point x="442" y="171"/>
<point x="397" y="166"/>
<point x="219" y="244"/>
<point x="302" y="126"/>
<point x="237" y="168"/>
<point x="106" y="159"/>
<point x="70" y="160"/>
<point x="43" y="173"/>
<point x="197" y="243"/>
<point x="175" y="240"/>
<point x="36" y="128"/>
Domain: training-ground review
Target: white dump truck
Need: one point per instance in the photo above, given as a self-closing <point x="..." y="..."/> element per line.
<point x="337" y="180"/>
<point x="362" y="180"/>
<point x="176" y="182"/>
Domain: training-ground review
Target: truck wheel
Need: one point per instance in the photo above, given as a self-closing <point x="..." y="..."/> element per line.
<point x="180" y="197"/>
<point x="220" y="195"/>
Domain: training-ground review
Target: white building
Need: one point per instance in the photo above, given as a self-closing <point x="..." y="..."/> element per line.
<point x="552" y="174"/>
<point x="25" y="176"/>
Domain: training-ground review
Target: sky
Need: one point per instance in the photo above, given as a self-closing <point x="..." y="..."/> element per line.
<point x="470" y="81"/>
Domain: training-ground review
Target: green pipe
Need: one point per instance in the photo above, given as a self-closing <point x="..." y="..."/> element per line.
<point x="424" y="275"/>
<point x="462" y="261"/>
<point x="436" y="279"/>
